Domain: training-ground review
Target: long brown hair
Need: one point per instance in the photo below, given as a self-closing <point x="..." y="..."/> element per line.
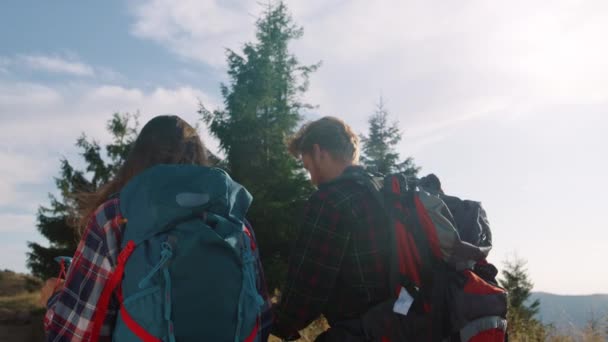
<point x="166" y="139"/>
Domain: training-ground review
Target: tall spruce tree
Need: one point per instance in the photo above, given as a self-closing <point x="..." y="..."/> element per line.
<point x="57" y="221"/>
<point x="262" y="106"/>
<point x="521" y="314"/>
<point x="379" y="154"/>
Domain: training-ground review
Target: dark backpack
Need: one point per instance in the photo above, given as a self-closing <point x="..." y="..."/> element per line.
<point x="444" y="290"/>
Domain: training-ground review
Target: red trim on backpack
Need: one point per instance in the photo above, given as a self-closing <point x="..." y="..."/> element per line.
<point x="401" y="237"/>
<point x="412" y="260"/>
<point x="62" y="275"/>
<point x="104" y="299"/>
<point x="476" y="285"/>
<point x="131" y="324"/>
<point x="415" y="259"/>
<point x="429" y="228"/>
<point x="254" y="332"/>
<point x="395" y="183"/>
<point x="251" y="241"/>
<point x="407" y="253"/>
<point x="492" y="335"/>
<point x="135" y="328"/>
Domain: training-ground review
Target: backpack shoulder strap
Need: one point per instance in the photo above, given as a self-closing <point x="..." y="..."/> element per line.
<point x="403" y="190"/>
<point x="388" y="190"/>
<point x="374" y="183"/>
<point x="111" y="285"/>
<point x="379" y="187"/>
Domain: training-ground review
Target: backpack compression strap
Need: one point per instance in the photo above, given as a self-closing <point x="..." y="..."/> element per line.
<point x="133" y="325"/>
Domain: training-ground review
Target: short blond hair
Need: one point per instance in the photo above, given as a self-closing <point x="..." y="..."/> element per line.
<point x="331" y="134"/>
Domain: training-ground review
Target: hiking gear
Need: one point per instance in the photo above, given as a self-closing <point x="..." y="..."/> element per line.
<point x="64" y="262"/>
<point x="435" y="267"/>
<point x="64" y="259"/>
<point x="470" y="218"/>
<point x="69" y="316"/>
<point x="186" y="271"/>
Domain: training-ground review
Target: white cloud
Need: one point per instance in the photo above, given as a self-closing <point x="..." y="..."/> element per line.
<point x="13" y="256"/>
<point x="59" y="65"/>
<point x="476" y="86"/>
<point x="17" y="223"/>
<point x="435" y="61"/>
<point x="19" y="100"/>
<point x="429" y="57"/>
<point x="4" y="64"/>
<point x="199" y="30"/>
<point x="17" y="169"/>
<point x="55" y="64"/>
<point x="40" y="124"/>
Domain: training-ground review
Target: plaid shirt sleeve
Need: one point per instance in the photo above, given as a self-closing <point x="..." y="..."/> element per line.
<point x="266" y="314"/>
<point x="70" y="311"/>
<point x="313" y="266"/>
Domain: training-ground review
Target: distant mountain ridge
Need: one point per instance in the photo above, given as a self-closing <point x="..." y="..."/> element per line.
<point x="570" y="312"/>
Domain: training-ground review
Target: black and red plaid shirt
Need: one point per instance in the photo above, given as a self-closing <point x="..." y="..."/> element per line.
<point x="338" y="266"/>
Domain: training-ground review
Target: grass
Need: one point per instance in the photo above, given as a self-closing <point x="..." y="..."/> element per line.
<point x="21" y="302"/>
<point x="21" y="317"/>
<point x="12" y="283"/>
<point x="19" y="294"/>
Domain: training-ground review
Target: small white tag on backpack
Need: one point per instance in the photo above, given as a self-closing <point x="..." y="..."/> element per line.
<point x="403" y="303"/>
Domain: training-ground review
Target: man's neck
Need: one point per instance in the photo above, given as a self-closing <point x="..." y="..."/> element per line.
<point x="338" y="169"/>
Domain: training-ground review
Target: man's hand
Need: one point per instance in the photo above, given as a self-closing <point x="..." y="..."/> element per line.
<point x="51" y="286"/>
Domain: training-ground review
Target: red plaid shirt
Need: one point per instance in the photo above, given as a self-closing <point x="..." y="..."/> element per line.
<point x="70" y="311"/>
<point x="338" y="266"/>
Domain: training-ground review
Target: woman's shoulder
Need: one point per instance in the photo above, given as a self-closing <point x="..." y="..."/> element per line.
<point x="107" y="224"/>
<point x="108" y="211"/>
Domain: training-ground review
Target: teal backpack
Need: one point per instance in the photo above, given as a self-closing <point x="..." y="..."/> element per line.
<point x="186" y="271"/>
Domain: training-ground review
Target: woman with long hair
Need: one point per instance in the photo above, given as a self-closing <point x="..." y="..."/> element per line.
<point x="88" y="305"/>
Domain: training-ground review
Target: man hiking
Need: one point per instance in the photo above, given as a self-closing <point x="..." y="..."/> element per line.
<point x="338" y="265"/>
<point x="383" y="258"/>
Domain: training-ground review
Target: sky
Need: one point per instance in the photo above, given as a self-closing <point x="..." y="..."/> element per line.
<point x="505" y="101"/>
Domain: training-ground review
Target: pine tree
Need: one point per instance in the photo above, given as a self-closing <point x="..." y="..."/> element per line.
<point x="262" y="108"/>
<point x="57" y="221"/>
<point x="517" y="283"/>
<point x="521" y="314"/>
<point x="379" y="153"/>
